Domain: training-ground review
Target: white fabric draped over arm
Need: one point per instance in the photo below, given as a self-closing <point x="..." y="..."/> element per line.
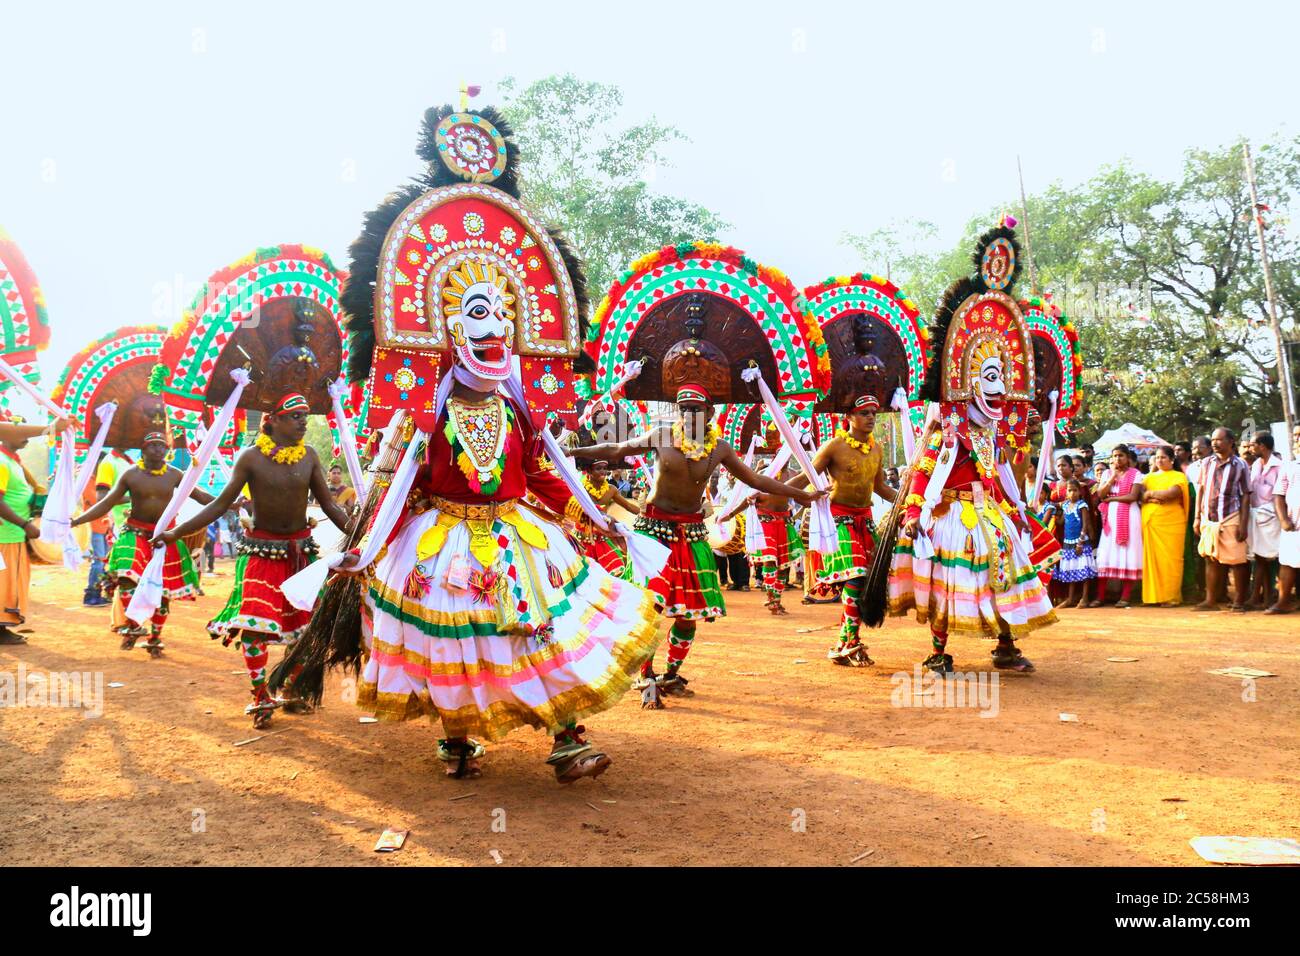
<point x="30" y="390"/>
<point x="1045" y="455"/>
<point x="148" y="594"/>
<point x="899" y="404"/>
<point x="347" y="438"/>
<point x="822" y="533"/>
<point x="631" y="370"/>
<point x="303" y="588"/>
<point x="66" y="488"/>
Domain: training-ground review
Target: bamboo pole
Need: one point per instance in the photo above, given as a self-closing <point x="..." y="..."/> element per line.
<point x="1283" y="369"/>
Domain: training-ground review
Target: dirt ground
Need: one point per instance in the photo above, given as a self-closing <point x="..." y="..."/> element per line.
<point x="780" y="758"/>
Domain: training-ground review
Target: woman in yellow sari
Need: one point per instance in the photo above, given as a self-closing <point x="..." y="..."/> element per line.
<point x="1165" y="508"/>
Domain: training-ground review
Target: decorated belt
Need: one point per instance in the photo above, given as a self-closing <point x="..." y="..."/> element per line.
<point x="277" y="547"/>
<point x="474" y="512"/>
<point x="668" y="529"/>
<point x="765" y="515"/>
<point x="953" y="494"/>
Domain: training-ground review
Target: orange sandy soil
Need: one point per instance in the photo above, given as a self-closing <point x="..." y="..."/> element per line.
<point x="719" y="778"/>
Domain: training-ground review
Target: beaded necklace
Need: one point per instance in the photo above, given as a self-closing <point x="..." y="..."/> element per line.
<point x="477" y="435"/>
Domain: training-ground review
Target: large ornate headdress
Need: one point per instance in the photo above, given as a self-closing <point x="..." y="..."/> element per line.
<point x="875" y="342"/>
<point x="981" y="352"/>
<point x="1058" y="365"/>
<point x="701" y="313"/>
<point x="117" y="369"/>
<point x="455" y="270"/>
<point x="24" y="322"/>
<point x="274" y="312"/>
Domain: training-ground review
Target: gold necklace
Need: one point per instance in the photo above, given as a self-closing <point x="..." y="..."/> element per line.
<point x="986" y="451"/>
<point x="481" y="433"/>
<point x="160" y="471"/>
<point x="694" y="450"/>
<point x="863" y="446"/>
<point x="281" y="455"/>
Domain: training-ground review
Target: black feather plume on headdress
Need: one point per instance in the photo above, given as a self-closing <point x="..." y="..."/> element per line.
<point x="977" y="257"/>
<point x="953" y="296"/>
<point x="437" y="173"/>
<point x="358" y="295"/>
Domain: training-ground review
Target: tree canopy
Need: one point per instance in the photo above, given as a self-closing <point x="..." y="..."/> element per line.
<point x="1163" y="279"/>
<point x="586" y="172"/>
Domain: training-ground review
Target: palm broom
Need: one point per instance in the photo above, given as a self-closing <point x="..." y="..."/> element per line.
<point x="333" y="636"/>
<point x="873" y="602"/>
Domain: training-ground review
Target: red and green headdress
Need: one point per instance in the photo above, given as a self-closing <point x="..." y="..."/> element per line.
<point x="747" y="312"/>
<point x="976" y="321"/>
<point x="24" y="322"/>
<point x="244" y="316"/>
<point x="115" y="368"/>
<point x="875" y="340"/>
<point x="1057" y="360"/>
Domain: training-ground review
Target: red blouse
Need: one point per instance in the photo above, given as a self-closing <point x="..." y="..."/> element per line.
<point x="526" y="468"/>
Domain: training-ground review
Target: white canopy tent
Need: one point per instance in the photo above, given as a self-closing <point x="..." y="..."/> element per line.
<point x="1140" y="440"/>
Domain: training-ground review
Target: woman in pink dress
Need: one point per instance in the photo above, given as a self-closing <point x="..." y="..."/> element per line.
<point x="1119" y="554"/>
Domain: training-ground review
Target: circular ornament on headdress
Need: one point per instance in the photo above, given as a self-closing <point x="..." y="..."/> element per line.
<point x="998" y="264"/>
<point x="471" y="147"/>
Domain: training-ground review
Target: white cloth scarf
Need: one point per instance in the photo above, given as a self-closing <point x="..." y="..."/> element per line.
<point x="149" y="592"/>
<point x="66" y="488"/>
<point x="347" y="438"/>
<point x="823" y="536"/>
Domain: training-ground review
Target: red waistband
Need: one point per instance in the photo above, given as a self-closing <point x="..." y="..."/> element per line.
<point x="766" y="515"/>
<point x="660" y="515"/>
<point x="268" y="536"/>
<point x="850" y="512"/>
<point x="140" y="525"/>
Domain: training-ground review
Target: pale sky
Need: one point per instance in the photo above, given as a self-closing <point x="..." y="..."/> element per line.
<point x="147" y="145"/>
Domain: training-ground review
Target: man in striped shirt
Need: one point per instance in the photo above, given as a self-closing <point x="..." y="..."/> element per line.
<point x="1222" y="520"/>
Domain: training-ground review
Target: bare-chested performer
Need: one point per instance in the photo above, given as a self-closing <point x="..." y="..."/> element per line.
<point x="603" y="548"/>
<point x="149" y="485"/>
<point x="781" y="546"/>
<point x="687" y="590"/>
<point x="852" y="459"/>
<point x="279" y="472"/>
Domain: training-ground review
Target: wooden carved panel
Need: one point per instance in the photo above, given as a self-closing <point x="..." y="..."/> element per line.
<point x="726" y="325"/>
<point x="882" y="370"/>
<point x="291" y="345"/>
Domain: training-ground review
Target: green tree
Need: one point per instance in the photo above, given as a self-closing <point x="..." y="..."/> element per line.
<point x="1164" y="282"/>
<point x="906" y="254"/>
<point x="590" y="176"/>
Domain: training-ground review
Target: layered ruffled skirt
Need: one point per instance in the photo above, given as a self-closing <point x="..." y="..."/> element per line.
<point x="979" y="579"/>
<point x="256" y="602"/>
<point x="497" y="622"/>
<point x="688" y="586"/>
<point x="132" y="551"/>
<point x="782" y="545"/>
<point x="857" y="546"/>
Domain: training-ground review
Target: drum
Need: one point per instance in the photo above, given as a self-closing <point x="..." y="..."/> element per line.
<point x="43" y="552"/>
<point x="617" y="512"/>
<point x="727" y="537"/>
